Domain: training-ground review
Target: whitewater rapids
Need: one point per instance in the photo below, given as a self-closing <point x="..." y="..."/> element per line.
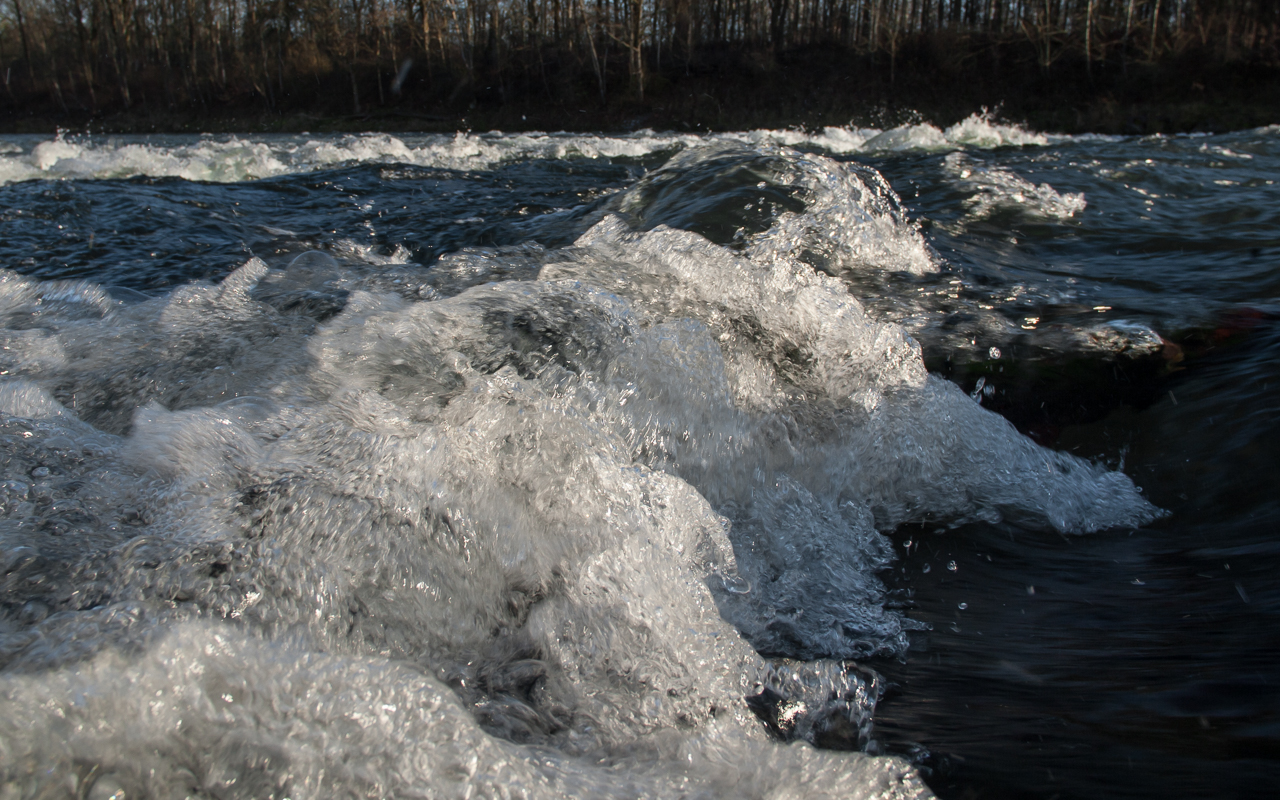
<point x="527" y="522"/>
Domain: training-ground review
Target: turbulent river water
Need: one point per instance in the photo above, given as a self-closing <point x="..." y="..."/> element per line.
<point x="854" y="463"/>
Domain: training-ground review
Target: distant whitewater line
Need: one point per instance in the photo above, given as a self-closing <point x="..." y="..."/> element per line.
<point x="223" y="159"/>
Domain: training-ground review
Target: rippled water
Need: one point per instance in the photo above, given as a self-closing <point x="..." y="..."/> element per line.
<point x="533" y="465"/>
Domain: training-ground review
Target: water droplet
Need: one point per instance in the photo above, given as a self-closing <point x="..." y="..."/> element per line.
<point x="951" y="565"/>
<point x="963" y="606"/>
<point x="40" y="472"/>
<point x="736" y="584"/>
<point x="926" y="568"/>
<point x="1031" y="590"/>
<point x="977" y="389"/>
<point x="994" y="353"/>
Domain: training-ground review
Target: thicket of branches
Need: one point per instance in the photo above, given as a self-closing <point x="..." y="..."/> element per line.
<point x="358" y="54"/>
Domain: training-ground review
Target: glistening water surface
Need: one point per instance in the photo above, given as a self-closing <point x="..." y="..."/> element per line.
<point x="850" y="464"/>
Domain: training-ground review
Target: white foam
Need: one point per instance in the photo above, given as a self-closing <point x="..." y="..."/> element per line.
<point x="909" y="137"/>
<point x="24" y="399"/>
<point x="210" y="711"/>
<point x="248" y="157"/>
<point x="203" y="160"/>
<point x="864" y="365"/>
<point x="978" y="130"/>
<point x="355" y="527"/>
<point x="345" y="508"/>
<point x="852" y="220"/>
<point x="1225" y="152"/>
<point x="995" y="189"/>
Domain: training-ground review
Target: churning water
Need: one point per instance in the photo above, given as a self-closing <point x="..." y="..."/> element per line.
<point x="856" y="464"/>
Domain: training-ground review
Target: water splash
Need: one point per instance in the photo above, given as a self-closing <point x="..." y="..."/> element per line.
<point x="995" y="190"/>
<point x="230" y="158"/>
<point x="506" y="519"/>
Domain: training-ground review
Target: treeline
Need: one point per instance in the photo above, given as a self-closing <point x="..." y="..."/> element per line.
<point x="353" y="56"/>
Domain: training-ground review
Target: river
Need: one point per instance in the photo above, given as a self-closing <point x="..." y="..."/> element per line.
<point x="845" y="463"/>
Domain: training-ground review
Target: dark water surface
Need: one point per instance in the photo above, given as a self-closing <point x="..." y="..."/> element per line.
<point x="1117" y="299"/>
<point x="1142" y="664"/>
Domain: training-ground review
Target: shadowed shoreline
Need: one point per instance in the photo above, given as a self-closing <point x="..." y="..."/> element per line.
<point x="727" y="88"/>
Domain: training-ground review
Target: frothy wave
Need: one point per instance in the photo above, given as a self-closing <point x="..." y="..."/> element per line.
<point x="996" y="189"/>
<point x="239" y="158"/>
<point x="535" y="517"/>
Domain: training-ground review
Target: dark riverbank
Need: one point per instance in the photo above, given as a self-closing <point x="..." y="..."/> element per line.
<point x="937" y="79"/>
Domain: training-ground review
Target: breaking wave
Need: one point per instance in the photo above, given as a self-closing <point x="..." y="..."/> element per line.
<point x="594" y="520"/>
<point x="240" y="158"/>
<point x="995" y="190"/>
